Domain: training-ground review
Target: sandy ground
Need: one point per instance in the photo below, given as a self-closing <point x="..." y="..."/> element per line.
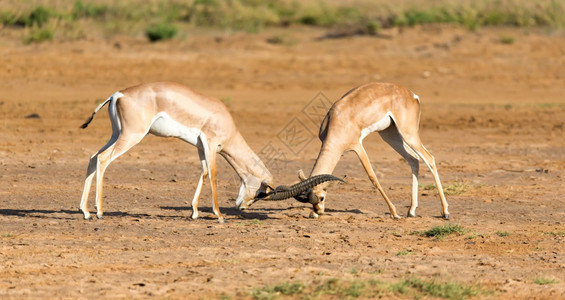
<point x="492" y="115"/>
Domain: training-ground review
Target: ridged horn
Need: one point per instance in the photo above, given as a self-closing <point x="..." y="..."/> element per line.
<point x="283" y="192"/>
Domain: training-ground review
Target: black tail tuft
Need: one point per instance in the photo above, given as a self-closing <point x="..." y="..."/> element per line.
<point x="83" y="126"/>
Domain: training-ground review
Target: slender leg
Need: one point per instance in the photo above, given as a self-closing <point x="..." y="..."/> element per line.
<point x="210" y="154"/>
<point x="392" y="137"/>
<point x="122" y="145"/>
<point x="430" y="162"/>
<point x="203" y="175"/>
<point x="417" y="146"/>
<point x="373" y="177"/>
<point x="91" y="172"/>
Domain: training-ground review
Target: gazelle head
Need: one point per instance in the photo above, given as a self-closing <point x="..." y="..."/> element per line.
<point x="304" y="191"/>
<point x="317" y="196"/>
<point x="251" y="189"/>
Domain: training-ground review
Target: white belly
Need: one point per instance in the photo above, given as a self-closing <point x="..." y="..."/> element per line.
<point x="164" y="125"/>
<point x="381" y="124"/>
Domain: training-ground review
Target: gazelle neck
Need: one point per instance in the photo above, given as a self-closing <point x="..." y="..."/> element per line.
<point x="327" y="161"/>
<point x="245" y="162"/>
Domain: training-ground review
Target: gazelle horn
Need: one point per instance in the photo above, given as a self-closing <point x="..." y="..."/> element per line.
<point x="283" y="192"/>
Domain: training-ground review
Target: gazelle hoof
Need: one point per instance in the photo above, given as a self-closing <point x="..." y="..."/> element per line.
<point x="222" y="221"/>
<point x="397" y="217"/>
<point x="100" y="217"/>
<point x="313" y="215"/>
<point x="445" y="217"/>
<point x="88" y="217"/>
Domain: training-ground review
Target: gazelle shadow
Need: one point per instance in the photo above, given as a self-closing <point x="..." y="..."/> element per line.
<point x="228" y="211"/>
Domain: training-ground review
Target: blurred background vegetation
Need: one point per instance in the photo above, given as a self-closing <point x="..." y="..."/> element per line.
<point x="160" y="20"/>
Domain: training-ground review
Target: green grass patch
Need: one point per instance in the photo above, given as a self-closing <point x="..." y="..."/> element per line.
<point x="555" y="233"/>
<point x="6" y="235"/>
<point x="507" y="40"/>
<point x="450" y="189"/>
<point x="456" y="188"/>
<point x="88" y="10"/>
<point x="441" y="232"/>
<point x="503" y="233"/>
<point x="445" y="290"/>
<point x="161" y="31"/>
<point x="39" y="16"/>
<point x="369" y="288"/>
<point x="272" y="292"/>
<point x="403" y="252"/>
<point x="349" y="18"/>
<point x="544" y="281"/>
<point x="254" y="222"/>
<point x="38" y="35"/>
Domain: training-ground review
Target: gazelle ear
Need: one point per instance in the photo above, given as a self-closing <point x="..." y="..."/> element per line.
<point x="301" y="175"/>
<point x="265" y="185"/>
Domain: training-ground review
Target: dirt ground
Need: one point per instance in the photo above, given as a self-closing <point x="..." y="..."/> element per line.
<point x="492" y="115"/>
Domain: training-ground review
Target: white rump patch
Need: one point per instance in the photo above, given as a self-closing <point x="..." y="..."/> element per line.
<point x="416" y="97"/>
<point x="165" y="126"/>
<point x="117" y="95"/>
<point x="377" y="126"/>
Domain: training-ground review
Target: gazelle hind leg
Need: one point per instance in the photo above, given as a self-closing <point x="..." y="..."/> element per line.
<point x="122" y="145"/>
<point x="203" y="176"/>
<point x="416" y="145"/>
<point x="210" y="155"/>
<point x="392" y="137"/>
<point x="430" y="162"/>
<point x="373" y="177"/>
<point x="91" y="172"/>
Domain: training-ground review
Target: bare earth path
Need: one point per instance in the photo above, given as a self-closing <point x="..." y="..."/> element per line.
<point x="492" y="115"/>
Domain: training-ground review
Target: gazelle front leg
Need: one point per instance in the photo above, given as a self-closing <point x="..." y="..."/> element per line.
<point x="211" y="155"/>
<point x="203" y="176"/>
<point x="373" y="177"/>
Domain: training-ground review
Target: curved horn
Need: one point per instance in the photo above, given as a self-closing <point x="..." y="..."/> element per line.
<point x="301" y="187"/>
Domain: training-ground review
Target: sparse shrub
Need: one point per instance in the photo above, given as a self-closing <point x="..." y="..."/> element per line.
<point x="88" y="10"/>
<point x="7" y="18"/>
<point x="507" y="40"/>
<point x="161" y="31"/>
<point x="38" y="16"/>
<point x="276" y="40"/>
<point x="39" y="35"/>
<point x="373" y="27"/>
